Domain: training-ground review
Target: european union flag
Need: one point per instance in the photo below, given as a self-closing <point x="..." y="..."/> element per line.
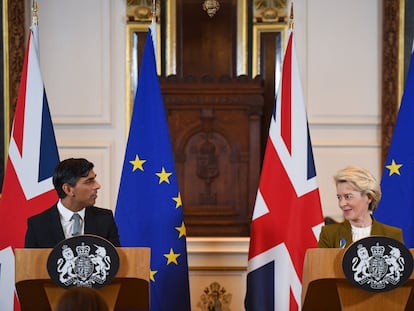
<point x="397" y="204"/>
<point x="149" y="210"/>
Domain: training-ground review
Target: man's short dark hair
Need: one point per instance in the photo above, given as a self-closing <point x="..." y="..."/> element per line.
<point x="69" y="171"/>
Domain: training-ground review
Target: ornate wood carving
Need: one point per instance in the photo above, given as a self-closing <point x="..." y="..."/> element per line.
<point x="13" y="46"/>
<point x="16" y="49"/>
<point x="215" y="133"/>
<point x="390" y="48"/>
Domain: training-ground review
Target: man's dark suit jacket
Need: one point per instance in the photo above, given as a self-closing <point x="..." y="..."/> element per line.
<point x="44" y="230"/>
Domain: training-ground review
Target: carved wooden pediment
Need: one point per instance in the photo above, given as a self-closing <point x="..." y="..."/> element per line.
<point x="215" y="133"/>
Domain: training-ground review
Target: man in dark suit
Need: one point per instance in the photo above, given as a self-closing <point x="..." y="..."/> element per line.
<point x="77" y="187"/>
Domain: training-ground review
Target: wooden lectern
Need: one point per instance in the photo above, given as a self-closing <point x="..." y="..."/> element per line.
<point x="325" y="287"/>
<point x="129" y="290"/>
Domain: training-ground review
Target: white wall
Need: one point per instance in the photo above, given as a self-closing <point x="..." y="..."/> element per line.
<point x="339" y="50"/>
<point x="82" y="53"/>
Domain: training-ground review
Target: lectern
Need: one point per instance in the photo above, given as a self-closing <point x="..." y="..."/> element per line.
<point x="325" y="287"/>
<point x="128" y="291"/>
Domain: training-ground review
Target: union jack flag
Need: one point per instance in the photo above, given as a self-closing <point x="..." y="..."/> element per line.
<point x="287" y="215"/>
<point x="33" y="155"/>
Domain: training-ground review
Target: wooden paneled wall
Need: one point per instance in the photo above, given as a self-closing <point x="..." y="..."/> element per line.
<point x="206" y="45"/>
<point x="215" y="133"/>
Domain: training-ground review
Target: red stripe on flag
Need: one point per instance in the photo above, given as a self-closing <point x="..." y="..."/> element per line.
<point x="293" y="305"/>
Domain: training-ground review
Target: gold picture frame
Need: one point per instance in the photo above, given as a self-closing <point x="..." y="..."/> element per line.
<point x="5" y="120"/>
<point x="258" y="29"/>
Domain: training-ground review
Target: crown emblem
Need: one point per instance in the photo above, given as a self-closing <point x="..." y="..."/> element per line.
<point x="83" y="250"/>
<point x="377" y="250"/>
<point x="215" y="287"/>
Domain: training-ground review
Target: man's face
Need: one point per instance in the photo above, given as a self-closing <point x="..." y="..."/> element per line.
<point x="85" y="192"/>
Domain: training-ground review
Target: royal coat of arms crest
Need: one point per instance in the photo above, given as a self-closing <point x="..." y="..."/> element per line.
<point x="377" y="263"/>
<point x="85" y="260"/>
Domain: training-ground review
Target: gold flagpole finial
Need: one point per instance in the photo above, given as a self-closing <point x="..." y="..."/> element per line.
<point x="154" y="12"/>
<point x="35" y="9"/>
<point x="291" y="17"/>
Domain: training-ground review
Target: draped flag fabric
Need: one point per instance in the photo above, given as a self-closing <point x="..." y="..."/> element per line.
<point x="33" y="155"/>
<point x="396" y="206"/>
<point x="149" y="210"/>
<point x="287" y="215"/>
<point x="7" y="270"/>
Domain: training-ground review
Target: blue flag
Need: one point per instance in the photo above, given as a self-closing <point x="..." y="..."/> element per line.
<point x="149" y="210"/>
<point x="396" y="206"/>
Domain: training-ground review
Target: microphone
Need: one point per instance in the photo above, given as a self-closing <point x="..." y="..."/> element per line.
<point x="342" y="243"/>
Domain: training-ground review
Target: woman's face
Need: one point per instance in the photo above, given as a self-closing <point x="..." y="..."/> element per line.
<point x="353" y="204"/>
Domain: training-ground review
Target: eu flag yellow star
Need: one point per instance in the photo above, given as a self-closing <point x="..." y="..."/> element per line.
<point x="137" y="163"/>
<point x="152" y="275"/>
<point x="172" y="257"/>
<point x="181" y="230"/>
<point x="163" y="175"/>
<point x="178" y="201"/>
<point x="394" y="168"/>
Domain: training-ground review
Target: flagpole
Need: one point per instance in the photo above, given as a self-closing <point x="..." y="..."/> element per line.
<point x="154" y="11"/>
<point x="154" y="35"/>
<point x="35" y="9"/>
<point x="291" y="17"/>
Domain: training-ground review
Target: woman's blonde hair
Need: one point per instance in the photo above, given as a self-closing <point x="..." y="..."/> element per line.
<point x="361" y="180"/>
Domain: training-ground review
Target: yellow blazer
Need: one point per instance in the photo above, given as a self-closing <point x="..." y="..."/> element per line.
<point x="333" y="235"/>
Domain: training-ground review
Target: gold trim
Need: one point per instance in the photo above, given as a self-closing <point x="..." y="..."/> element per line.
<point x="401" y="50"/>
<point x="257" y="30"/>
<point x="242" y="52"/>
<point x="171" y="39"/>
<point x="6" y="83"/>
